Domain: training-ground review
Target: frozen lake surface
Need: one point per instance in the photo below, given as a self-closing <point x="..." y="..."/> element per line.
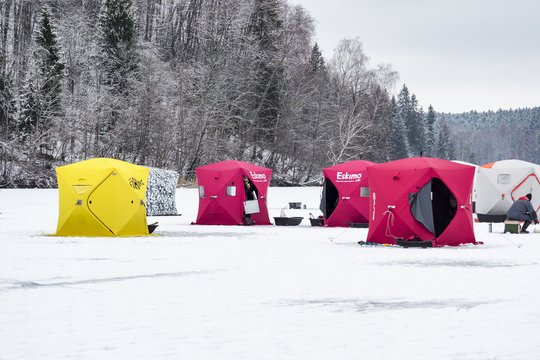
<point x="259" y="292"/>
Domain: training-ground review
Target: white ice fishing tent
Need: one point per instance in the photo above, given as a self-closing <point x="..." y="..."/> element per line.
<point x="473" y="194"/>
<point x="500" y="183"/>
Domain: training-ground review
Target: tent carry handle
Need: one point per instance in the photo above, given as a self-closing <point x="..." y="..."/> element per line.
<point x="390" y="222"/>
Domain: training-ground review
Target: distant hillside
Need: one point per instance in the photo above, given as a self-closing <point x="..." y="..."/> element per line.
<point x="482" y="137"/>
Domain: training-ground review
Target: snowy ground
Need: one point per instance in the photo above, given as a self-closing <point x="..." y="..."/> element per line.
<point x="261" y="292"/>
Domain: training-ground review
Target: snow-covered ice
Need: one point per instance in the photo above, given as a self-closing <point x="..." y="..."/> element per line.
<point x="259" y="292"/>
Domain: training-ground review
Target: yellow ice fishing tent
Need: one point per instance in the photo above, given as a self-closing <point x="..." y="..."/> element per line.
<point x="102" y="197"/>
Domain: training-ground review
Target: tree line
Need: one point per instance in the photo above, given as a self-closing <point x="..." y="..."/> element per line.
<point x="484" y="137"/>
<point x="181" y="83"/>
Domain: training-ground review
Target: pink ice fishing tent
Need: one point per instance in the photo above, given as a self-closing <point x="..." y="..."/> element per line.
<point x="421" y="200"/>
<point x="345" y="196"/>
<point x="222" y="195"/>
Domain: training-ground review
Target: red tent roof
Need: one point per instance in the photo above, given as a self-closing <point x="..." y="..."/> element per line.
<point x="231" y="165"/>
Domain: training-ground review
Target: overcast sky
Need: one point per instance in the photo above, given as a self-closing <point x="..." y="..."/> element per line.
<point x="457" y="55"/>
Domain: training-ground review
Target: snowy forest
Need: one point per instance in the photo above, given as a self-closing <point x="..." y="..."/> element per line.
<point x="482" y="137"/>
<point x="181" y="83"/>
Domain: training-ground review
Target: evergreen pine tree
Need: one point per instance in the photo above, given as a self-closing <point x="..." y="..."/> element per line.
<point x="413" y="118"/>
<point x="380" y="109"/>
<point x="41" y="100"/>
<point x="265" y="28"/>
<point x="416" y="128"/>
<point x="119" y="70"/>
<point x="30" y="112"/>
<point x="405" y="109"/>
<point x="430" y="131"/>
<point x="445" y="147"/>
<point x="118" y="45"/>
<point x="7" y="105"/>
<point x="399" y="147"/>
<point x="316" y="61"/>
<point x="51" y="71"/>
<point x="404" y="113"/>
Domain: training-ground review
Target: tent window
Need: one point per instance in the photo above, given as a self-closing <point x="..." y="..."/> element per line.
<point x="364" y="191"/>
<point x="434" y="206"/>
<point x="444" y="205"/>
<point x="231" y="190"/>
<point x="503" y="179"/>
<point x="330" y="198"/>
<point x="201" y="192"/>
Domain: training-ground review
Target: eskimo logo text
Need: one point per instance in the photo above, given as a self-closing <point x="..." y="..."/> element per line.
<point x="257" y="177"/>
<point x="346" y="177"/>
<point x="373" y="206"/>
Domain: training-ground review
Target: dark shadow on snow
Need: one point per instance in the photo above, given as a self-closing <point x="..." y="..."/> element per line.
<point x="363" y="306"/>
<point x="193" y="234"/>
<point x="488" y="264"/>
<point x="34" y="284"/>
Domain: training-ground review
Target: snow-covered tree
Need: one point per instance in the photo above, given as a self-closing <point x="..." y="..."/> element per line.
<point x="118" y="76"/>
<point x="399" y="147"/>
<point x="118" y="45"/>
<point x="445" y="146"/>
<point x="416" y="128"/>
<point x="316" y="60"/>
<point x="51" y="69"/>
<point x="265" y="29"/>
<point x="181" y="83"/>
<point x="7" y="105"/>
<point x="30" y="112"/>
<point x="430" y="131"/>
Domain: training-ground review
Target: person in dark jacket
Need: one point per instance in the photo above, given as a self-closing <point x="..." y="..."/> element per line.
<point x="523" y="210"/>
<point x="251" y="194"/>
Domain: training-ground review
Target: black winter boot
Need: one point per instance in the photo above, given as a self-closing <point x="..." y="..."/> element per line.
<point x="525" y="226"/>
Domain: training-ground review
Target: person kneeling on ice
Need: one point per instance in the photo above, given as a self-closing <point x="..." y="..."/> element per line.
<point x="523" y="210"/>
